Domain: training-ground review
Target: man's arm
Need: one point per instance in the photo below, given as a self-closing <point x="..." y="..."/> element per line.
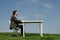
<point x="17" y="21"/>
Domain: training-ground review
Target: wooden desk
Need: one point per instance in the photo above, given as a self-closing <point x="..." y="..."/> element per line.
<point x="33" y="21"/>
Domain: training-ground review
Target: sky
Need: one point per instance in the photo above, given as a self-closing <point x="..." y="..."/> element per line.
<point x="47" y="10"/>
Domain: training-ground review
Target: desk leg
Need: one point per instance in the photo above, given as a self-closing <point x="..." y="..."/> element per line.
<point x="41" y="30"/>
<point x="23" y="30"/>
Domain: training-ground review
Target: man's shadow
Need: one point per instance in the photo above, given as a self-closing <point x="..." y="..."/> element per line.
<point x="31" y="34"/>
<point x="47" y="37"/>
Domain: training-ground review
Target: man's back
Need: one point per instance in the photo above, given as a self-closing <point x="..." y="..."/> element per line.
<point x="14" y="22"/>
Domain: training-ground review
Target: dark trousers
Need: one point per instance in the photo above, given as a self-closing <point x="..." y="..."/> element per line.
<point x="21" y="27"/>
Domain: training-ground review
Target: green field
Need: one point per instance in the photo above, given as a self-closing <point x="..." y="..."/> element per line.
<point x="29" y="36"/>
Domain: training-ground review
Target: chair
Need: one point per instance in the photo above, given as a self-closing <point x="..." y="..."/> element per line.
<point x="14" y="30"/>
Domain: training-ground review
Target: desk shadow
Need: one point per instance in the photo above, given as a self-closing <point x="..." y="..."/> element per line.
<point x="47" y="38"/>
<point x="32" y="34"/>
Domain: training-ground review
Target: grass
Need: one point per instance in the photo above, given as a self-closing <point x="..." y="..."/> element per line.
<point x="29" y="36"/>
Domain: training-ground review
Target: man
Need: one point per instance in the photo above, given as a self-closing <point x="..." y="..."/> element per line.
<point x="15" y="23"/>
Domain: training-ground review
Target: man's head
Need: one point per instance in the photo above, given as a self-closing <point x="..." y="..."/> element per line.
<point x="15" y="13"/>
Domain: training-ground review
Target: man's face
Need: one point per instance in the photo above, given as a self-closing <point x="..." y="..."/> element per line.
<point x="16" y="13"/>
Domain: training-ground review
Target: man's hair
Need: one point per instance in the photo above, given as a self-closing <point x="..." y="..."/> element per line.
<point x="14" y="12"/>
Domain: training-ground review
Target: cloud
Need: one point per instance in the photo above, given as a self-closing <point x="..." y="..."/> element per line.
<point x="46" y="5"/>
<point x="37" y="15"/>
<point x="34" y="0"/>
<point x="23" y="17"/>
<point x="31" y="16"/>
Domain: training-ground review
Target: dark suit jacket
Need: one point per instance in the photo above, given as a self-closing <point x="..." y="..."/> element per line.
<point x="14" y="22"/>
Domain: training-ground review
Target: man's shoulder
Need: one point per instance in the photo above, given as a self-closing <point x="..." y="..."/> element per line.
<point x="12" y="17"/>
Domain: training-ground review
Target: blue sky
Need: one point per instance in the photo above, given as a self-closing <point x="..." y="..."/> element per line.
<point x="47" y="10"/>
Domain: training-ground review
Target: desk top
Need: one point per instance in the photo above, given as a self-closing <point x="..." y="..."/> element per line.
<point x="34" y="21"/>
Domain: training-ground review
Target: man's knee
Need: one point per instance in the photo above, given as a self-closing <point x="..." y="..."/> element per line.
<point x="21" y="26"/>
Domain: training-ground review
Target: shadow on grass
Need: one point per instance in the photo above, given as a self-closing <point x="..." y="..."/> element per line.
<point x="47" y="37"/>
<point x="32" y="34"/>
